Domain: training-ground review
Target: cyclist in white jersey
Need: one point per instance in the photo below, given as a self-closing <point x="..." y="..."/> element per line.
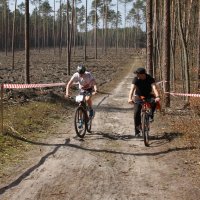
<point x="86" y="83"/>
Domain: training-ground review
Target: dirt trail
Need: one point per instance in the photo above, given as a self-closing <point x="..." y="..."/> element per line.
<point x="108" y="164"/>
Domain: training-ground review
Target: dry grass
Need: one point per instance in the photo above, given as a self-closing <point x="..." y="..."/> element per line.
<point x="30" y="118"/>
<point x="22" y="124"/>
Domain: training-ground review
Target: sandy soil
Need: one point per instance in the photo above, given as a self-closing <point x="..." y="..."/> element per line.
<point x="108" y="163"/>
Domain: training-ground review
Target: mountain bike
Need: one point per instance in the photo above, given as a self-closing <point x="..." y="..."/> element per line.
<point x="145" y="114"/>
<point x="82" y="119"/>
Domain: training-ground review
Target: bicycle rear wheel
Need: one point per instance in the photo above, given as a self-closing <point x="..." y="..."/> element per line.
<point x="89" y="124"/>
<point x="145" y="128"/>
<point x="80" y="123"/>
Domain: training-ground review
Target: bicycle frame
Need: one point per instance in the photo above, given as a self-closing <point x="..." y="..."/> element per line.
<point x="146" y="106"/>
<point x="82" y="121"/>
<point x="80" y="99"/>
<point x="145" y="111"/>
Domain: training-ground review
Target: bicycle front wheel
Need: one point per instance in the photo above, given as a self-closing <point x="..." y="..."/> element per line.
<point x="80" y="123"/>
<point x="145" y="128"/>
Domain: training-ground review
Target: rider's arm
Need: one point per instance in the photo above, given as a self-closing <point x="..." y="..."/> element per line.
<point x="93" y="82"/>
<point x="67" y="87"/>
<point x="95" y="88"/>
<point x="155" y="92"/>
<point x="130" y="100"/>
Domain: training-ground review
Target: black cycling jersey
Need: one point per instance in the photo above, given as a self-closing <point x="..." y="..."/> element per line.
<point x="143" y="87"/>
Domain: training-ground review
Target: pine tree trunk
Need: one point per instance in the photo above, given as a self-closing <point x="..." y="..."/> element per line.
<point x="198" y="56"/>
<point x="27" y="75"/>
<point x="149" y="37"/>
<point x="95" y="29"/>
<point x="85" y="39"/>
<point x="185" y="53"/>
<point x="13" y="38"/>
<point x="166" y="53"/>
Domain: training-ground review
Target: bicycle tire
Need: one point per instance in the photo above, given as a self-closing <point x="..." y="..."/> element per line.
<point x="89" y="125"/>
<point x="145" y="128"/>
<point x="80" y="123"/>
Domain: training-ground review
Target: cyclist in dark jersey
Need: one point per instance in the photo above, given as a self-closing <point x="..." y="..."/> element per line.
<point x="142" y="85"/>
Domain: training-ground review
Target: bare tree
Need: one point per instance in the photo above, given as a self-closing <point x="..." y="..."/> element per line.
<point x="70" y="32"/>
<point x="166" y="53"/>
<point x="173" y="42"/>
<point x="185" y="51"/>
<point x="125" y="10"/>
<point x="60" y="31"/>
<point x="149" y="37"/>
<point x="117" y="24"/>
<point x="155" y="38"/>
<point x="54" y="19"/>
<point x="6" y="26"/>
<point x="34" y="2"/>
<point x="198" y="56"/>
<point x="68" y="40"/>
<point x="95" y="29"/>
<point x="85" y="40"/>
<point x="13" y="37"/>
<point x="27" y="75"/>
<point x="106" y="24"/>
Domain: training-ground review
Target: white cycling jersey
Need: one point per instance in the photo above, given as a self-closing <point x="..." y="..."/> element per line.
<point x="86" y="81"/>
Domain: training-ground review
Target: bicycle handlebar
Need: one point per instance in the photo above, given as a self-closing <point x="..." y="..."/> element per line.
<point x="85" y="93"/>
<point x="142" y="101"/>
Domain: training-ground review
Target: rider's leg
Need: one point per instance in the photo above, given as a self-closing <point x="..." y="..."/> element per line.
<point x="89" y="103"/>
<point x="153" y="107"/>
<point x="137" y="117"/>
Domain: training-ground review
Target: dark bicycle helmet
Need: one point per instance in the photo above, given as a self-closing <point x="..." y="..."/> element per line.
<point x="81" y="69"/>
<point x="140" y="70"/>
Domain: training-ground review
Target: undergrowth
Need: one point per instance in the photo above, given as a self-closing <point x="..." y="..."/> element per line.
<point x="30" y="119"/>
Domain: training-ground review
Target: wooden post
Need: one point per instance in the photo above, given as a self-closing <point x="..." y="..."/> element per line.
<point x="2" y="109"/>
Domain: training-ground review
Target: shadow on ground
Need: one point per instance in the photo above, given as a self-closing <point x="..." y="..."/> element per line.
<point x="111" y="136"/>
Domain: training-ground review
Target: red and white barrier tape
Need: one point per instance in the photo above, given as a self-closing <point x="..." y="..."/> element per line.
<point x="22" y="86"/>
<point x="178" y="94"/>
<point x="183" y="94"/>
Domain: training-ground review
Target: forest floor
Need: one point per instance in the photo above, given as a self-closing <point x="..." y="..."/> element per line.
<point x="109" y="163"/>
